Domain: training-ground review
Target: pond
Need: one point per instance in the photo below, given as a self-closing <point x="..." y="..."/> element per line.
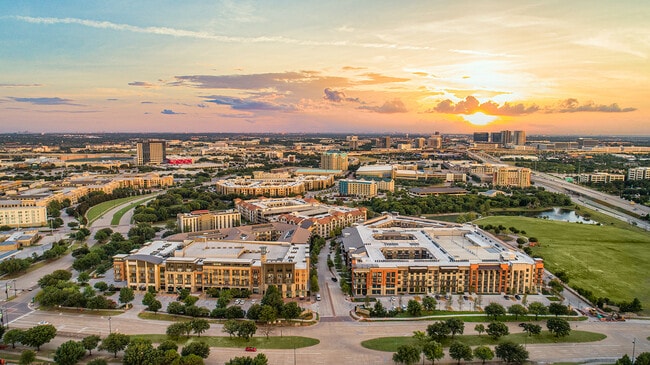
<point x="564" y="215"/>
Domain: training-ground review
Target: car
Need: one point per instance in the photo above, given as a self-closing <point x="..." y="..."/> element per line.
<point x="334" y="279"/>
<point x="253" y="301"/>
<point x="506" y="297"/>
<point x="403" y="307"/>
<point x="43" y="323"/>
<point x="317" y="296"/>
<point x="522" y="324"/>
<point x="437" y="296"/>
<point x="251" y="349"/>
<point x="517" y="296"/>
<point x="465" y="297"/>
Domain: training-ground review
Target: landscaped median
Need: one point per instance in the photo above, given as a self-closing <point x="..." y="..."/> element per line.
<point x="100" y="209"/>
<point x="272" y="342"/>
<point x="390" y="344"/>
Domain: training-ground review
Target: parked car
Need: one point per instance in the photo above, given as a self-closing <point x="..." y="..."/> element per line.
<point x="251" y="349"/>
<point x="517" y="296"/>
<point x="334" y="279"/>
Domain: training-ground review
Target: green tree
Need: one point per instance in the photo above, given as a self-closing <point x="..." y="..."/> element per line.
<point x="511" y="352"/>
<point x="254" y="312"/>
<point x="27" y="357"/>
<point x="197" y="348"/>
<point x="407" y="354"/>
<point x="246" y="329"/>
<point x="149" y="297"/>
<point x="433" y="351"/>
<point x="83" y="277"/>
<point x="429" y="303"/>
<point x="260" y="359"/>
<point x="69" y="353"/>
<point x="90" y="343"/>
<point x="154" y="306"/>
<point x="414" y="308"/>
<point x="642" y="359"/>
<point x="625" y="360"/>
<point x="538" y="309"/>
<point x="558" y="326"/>
<point x="141" y="352"/>
<point x="199" y="326"/>
<point x="126" y="295"/>
<point x="460" y="351"/>
<point x="456" y="326"/>
<point x="268" y="314"/>
<point x="97" y="362"/>
<point x="558" y="309"/>
<point x="176" y="330"/>
<point x="39" y="335"/>
<point x="313" y="284"/>
<point x="175" y="308"/>
<point x="497" y="330"/>
<point x="480" y="328"/>
<point x="12" y="336"/>
<point x="494" y="310"/>
<point x="115" y="342"/>
<point x="483" y="353"/>
<point x="438" y="330"/>
<point x="291" y="310"/>
<point x="517" y="310"/>
<point x="101" y="286"/>
<point x="168" y="345"/>
<point x="273" y="298"/>
<point x="231" y="327"/>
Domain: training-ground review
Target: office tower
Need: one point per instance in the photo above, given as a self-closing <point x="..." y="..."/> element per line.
<point x="334" y="160"/>
<point x="387" y="142"/>
<point x="506" y="138"/>
<point x="151" y="152"/>
<point x="519" y="138"/>
<point x="496" y="137"/>
<point x="435" y="141"/>
<point x="420" y="142"/>
<point x="481" y="137"/>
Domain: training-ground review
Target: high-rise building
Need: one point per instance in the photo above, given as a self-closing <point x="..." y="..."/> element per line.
<point x="151" y="152"/>
<point x="387" y="142"/>
<point x="420" y="142"/>
<point x="435" y="141"/>
<point x="481" y="137"/>
<point x="496" y="137"/>
<point x="519" y="138"/>
<point x="512" y="176"/>
<point x="334" y="160"/>
<point x="506" y="138"/>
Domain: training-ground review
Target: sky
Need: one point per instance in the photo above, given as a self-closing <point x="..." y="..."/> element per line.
<point x="546" y="67"/>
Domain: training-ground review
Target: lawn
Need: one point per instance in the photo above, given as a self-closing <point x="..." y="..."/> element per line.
<point x="390" y="344"/>
<point x="606" y="259"/>
<point x="100" y="209"/>
<point x="120" y="213"/>
<point x="273" y="342"/>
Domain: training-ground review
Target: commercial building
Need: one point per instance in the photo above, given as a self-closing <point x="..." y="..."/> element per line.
<point x="519" y="138"/>
<point x="511" y="176"/>
<point x="638" y="173"/>
<point x="246" y="257"/>
<point x="334" y="160"/>
<point x="435" y="141"/>
<point x="205" y="220"/>
<point x="393" y="255"/>
<point x="320" y="219"/>
<point x="10" y="241"/>
<point x="600" y="177"/>
<point x="481" y="137"/>
<point x="361" y="188"/>
<point x="151" y="152"/>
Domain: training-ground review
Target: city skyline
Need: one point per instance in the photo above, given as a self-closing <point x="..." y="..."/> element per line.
<point x="546" y="67"/>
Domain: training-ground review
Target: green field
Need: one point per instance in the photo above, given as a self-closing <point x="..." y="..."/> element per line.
<point x="273" y="342"/>
<point x="608" y="260"/>
<point x="390" y="344"/>
<point x="100" y="209"/>
<point x="120" y="213"/>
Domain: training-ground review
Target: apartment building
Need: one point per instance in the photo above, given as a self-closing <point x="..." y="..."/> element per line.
<point x="638" y="173"/>
<point x="14" y="214"/>
<point x="205" y="220"/>
<point x="511" y="176"/>
<point x="334" y="160"/>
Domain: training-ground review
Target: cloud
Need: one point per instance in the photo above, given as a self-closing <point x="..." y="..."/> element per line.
<point x="351" y="68"/>
<point x="249" y="103"/>
<point x="572" y="105"/>
<point x="389" y="107"/>
<point x="275" y="81"/>
<point x="147" y="102"/>
<point x="482" y="54"/>
<point x="182" y="33"/>
<point x="169" y="112"/>
<point x="337" y="96"/>
<point x="375" y="78"/>
<point x="21" y="85"/>
<point x="44" y="101"/>
<point x="345" y="28"/>
<point x="141" y="83"/>
<point x="471" y="105"/>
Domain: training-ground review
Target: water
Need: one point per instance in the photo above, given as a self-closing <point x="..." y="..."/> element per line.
<point x="564" y="215"/>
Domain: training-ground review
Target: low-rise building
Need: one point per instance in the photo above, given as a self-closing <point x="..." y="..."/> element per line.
<point x="360" y="188"/>
<point x="274" y="187"/>
<point x="600" y="177"/>
<point x="205" y="220"/>
<point x="393" y="255"/>
<point x="14" y="214"/>
<point x="638" y="173"/>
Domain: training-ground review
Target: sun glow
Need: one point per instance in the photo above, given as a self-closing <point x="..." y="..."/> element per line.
<point x="479" y="118"/>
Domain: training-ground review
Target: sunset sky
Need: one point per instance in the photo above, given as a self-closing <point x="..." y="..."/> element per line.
<point x="547" y="67"/>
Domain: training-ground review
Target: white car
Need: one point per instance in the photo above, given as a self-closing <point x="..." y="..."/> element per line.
<point x="43" y="323"/>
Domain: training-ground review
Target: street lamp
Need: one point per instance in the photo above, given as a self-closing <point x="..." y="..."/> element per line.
<point x="15" y="288"/>
<point x="109" y="325"/>
<point x="633" y="349"/>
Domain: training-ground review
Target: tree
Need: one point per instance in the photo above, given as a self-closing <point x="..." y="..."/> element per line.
<point x="625" y="360"/>
<point x="231" y="327"/>
<point x="438" y="330"/>
<point x="39" y="335"/>
<point x="154" y="306"/>
<point x="141" y="352"/>
<point x="176" y="330"/>
<point x="429" y="303"/>
<point x="27" y="357"/>
<point x="199" y="326"/>
<point x="260" y="359"/>
<point x="497" y="329"/>
<point x="313" y="284"/>
<point x="268" y="314"/>
<point x="175" y="308"/>
<point x="115" y="342"/>
<point x="168" y="345"/>
<point x="273" y="298"/>
<point x="414" y="308"/>
<point x="483" y="353"/>
<point x="532" y="329"/>
<point x="90" y="343"/>
<point x="407" y="354"/>
<point x="254" y="312"/>
<point x="149" y="297"/>
<point x="558" y="309"/>
<point x="69" y="353"/>
<point x="537" y="309"/>
<point x="480" y="328"/>
<point x="246" y="329"/>
<point x="495" y="310"/>
<point x="456" y="326"/>
<point x="460" y="351"/>
<point x="433" y="351"/>
<point x="517" y="310"/>
<point x="126" y="295"/>
<point x="291" y="310"/>
<point x="197" y="348"/>
<point x="511" y="352"/>
<point x="558" y="326"/>
<point x="101" y="286"/>
<point x="234" y="312"/>
<point x="83" y="277"/>
<point x="12" y="336"/>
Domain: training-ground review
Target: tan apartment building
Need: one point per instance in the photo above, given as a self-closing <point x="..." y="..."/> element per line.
<point x="205" y="220"/>
<point x="511" y="176"/>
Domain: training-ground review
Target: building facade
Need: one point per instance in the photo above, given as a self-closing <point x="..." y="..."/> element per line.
<point x="334" y="160"/>
<point x="205" y="220"/>
<point x="511" y="176"/>
<point x="361" y="188"/>
<point x="151" y="152"/>
<point x="638" y="173"/>
<point x="401" y="255"/>
<point x="14" y="214"/>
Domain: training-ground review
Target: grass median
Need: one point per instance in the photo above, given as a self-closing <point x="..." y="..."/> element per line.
<point x="606" y="259"/>
<point x="100" y="209"/>
<point x="390" y="344"/>
<point x="273" y="342"/>
<point x="120" y="213"/>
